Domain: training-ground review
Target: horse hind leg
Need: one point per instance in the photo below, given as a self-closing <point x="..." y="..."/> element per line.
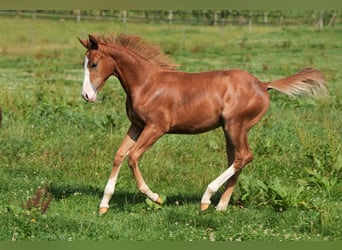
<point x="230" y="185"/>
<point x="226" y="195"/>
<point x="215" y="185"/>
<point x="238" y="150"/>
<point x="237" y="138"/>
<point x="237" y="142"/>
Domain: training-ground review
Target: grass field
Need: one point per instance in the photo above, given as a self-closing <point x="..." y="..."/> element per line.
<point x="56" y="150"/>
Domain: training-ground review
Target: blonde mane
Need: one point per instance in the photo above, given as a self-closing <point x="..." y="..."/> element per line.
<point x="139" y="46"/>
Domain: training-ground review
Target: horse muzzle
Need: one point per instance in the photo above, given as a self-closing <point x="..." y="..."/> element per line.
<point x="89" y="97"/>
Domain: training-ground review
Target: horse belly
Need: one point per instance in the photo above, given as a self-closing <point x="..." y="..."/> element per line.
<point x="195" y="121"/>
<point x="189" y="129"/>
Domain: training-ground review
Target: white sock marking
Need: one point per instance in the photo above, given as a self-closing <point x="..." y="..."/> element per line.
<point x="109" y="190"/>
<point x="216" y="184"/>
<point x="147" y="191"/>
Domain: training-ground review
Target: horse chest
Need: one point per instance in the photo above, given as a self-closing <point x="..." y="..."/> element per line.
<point x="134" y="116"/>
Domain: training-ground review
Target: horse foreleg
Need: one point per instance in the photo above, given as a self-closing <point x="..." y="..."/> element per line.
<point x="147" y="138"/>
<point x="128" y="141"/>
<point x="143" y="188"/>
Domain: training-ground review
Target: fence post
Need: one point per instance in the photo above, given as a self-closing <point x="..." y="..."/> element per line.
<point x="124" y="16"/>
<point x="250" y="22"/>
<point x="320" y="21"/>
<point x="265" y="17"/>
<point x="78" y="15"/>
<point x="281" y="21"/>
<point x="332" y="19"/>
<point x="170" y="17"/>
<point x="215" y="18"/>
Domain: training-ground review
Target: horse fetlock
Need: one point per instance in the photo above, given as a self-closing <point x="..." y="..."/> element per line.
<point x="147" y="191"/>
<point x="221" y="206"/>
<point x="143" y="189"/>
<point x="212" y="188"/>
<point x="206" y="197"/>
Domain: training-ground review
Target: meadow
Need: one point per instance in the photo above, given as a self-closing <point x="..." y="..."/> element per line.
<point x="56" y="150"/>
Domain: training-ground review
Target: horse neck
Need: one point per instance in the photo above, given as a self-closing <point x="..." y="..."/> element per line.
<point x="131" y="70"/>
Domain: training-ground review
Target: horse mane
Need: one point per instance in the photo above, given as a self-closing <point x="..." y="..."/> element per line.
<point x="137" y="45"/>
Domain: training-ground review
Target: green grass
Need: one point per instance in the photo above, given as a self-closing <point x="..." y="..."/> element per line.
<point x="51" y="138"/>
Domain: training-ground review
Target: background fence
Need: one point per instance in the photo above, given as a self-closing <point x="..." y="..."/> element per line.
<point x="319" y="18"/>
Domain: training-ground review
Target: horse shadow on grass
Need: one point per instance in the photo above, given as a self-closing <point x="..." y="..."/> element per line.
<point x="62" y="191"/>
<point x="135" y="201"/>
<point x="121" y="200"/>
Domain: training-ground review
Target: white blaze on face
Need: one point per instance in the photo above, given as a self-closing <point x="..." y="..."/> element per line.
<point x="88" y="92"/>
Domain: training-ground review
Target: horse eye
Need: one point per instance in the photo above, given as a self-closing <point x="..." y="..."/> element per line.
<point x="93" y="65"/>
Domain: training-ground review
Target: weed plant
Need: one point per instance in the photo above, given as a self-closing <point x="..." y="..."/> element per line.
<point x="56" y="150"/>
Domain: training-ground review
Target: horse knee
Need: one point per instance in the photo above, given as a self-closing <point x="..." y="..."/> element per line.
<point x="132" y="159"/>
<point x="118" y="158"/>
<point x="143" y="188"/>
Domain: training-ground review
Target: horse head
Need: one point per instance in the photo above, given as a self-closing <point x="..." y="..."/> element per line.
<point x="97" y="68"/>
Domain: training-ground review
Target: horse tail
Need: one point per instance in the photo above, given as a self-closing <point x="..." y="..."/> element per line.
<point x="308" y="81"/>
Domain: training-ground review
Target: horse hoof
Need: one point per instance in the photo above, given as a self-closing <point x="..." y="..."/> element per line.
<point x="204" y="206"/>
<point x="103" y="210"/>
<point x="159" y="200"/>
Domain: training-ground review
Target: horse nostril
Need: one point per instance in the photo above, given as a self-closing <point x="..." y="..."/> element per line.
<point x="85" y="96"/>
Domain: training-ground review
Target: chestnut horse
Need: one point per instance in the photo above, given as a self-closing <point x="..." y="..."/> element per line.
<point x="162" y="100"/>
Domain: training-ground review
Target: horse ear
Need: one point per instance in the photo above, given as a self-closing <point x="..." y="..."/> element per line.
<point x="83" y="42"/>
<point x="93" y="44"/>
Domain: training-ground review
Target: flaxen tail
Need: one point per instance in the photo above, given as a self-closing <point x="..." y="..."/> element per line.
<point x="308" y="81"/>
